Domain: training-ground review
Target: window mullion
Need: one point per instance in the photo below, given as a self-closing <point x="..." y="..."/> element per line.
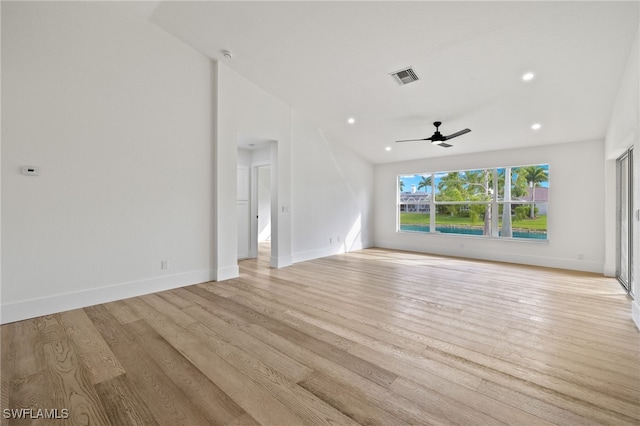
<point x="495" y="211"/>
<point x="432" y="205"/>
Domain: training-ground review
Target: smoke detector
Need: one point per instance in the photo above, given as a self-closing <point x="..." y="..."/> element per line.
<point x="227" y="54"/>
<point x="405" y="76"/>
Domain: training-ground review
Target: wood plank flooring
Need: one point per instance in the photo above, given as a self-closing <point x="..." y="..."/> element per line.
<point x="374" y="337"/>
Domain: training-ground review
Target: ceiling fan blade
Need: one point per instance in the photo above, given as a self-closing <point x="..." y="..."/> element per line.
<point x="456" y="134"/>
<point x="414" y="140"/>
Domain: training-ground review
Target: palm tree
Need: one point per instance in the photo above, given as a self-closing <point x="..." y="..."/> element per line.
<point x="535" y="175"/>
<point x="451" y="182"/>
<point x="476" y="184"/>
<point x="425" y="183"/>
<point x="519" y="188"/>
<point x="450" y="188"/>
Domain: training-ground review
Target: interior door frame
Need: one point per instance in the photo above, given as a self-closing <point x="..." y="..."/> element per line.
<point x="253" y="232"/>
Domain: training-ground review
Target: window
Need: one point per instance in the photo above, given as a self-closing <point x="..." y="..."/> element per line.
<point x="505" y="202"/>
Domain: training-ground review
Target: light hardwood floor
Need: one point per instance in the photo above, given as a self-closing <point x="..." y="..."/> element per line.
<point x="374" y="337"/>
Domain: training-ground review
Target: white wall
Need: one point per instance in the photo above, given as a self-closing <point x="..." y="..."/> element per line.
<point x="322" y="191"/>
<point x="261" y="156"/>
<point x="243" y="195"/>
<point x="1" y="303"/>
<point x="624" y="132"/>
<point x="117" y="114"/>
<point x="245" y="109"/>
<point x="332" y="192"/>
<point x="576" y="209"/>
<point x="135" y="135"/>
<point x="244" y="158"/>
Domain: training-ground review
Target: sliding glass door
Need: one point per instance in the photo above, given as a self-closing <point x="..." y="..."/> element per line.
<point x="624" y="219"/>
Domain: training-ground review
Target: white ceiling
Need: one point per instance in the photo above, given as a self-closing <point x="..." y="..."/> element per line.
<point x="331" y="60"/>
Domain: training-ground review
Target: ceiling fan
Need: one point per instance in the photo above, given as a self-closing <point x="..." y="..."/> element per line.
<point x="438" y="138"/>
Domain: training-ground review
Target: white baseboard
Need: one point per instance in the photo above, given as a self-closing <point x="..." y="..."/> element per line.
<point x="609" y="271"/>
<point x="316" y="254"/>
<point x="635" y="312"/>
<point x="304" y="256"/>
<point x="524" y="259"/>
<point x="227" y="273"/>
<point x="47" y="305"/>
<point x="280" y="261"/>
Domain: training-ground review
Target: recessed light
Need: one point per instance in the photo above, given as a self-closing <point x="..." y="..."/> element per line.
<point x="351" y="120"/>
<point x="388" y="148"/>
<point x="536" y="126"/>
<point x="528" y="76"/>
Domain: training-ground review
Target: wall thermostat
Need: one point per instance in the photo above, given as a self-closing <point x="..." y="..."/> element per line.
<point x="30" y="171"/>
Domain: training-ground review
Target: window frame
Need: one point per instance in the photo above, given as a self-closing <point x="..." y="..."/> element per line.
<point x="494" y="203"/>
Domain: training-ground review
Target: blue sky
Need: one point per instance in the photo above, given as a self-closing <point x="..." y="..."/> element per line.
<point x="415" y="179"/>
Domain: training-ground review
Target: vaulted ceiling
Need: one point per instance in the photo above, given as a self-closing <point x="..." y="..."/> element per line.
<point x="331" y="60"/>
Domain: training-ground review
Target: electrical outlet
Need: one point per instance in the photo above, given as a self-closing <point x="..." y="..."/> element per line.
<point x="164" y="264"/>
<point x="30" y="171"/>
<point x="330" y="240"/>
<point x="581" y="256"/>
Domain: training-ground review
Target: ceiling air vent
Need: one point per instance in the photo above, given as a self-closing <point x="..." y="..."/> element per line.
<point x="404" y="76"/>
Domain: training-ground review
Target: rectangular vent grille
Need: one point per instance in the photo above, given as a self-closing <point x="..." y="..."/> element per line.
<point x="405" y="76"/>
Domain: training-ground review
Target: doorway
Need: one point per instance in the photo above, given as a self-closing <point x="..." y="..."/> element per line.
<point x="624" y="220"/>
<point x="261" y="223"/>
<point x="261" y="200"/>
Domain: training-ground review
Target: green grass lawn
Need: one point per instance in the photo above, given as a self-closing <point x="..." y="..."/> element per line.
<point x="539" y="223"/>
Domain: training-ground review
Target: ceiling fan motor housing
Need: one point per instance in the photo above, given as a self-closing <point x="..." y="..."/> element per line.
<point x="437" y="137"/>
